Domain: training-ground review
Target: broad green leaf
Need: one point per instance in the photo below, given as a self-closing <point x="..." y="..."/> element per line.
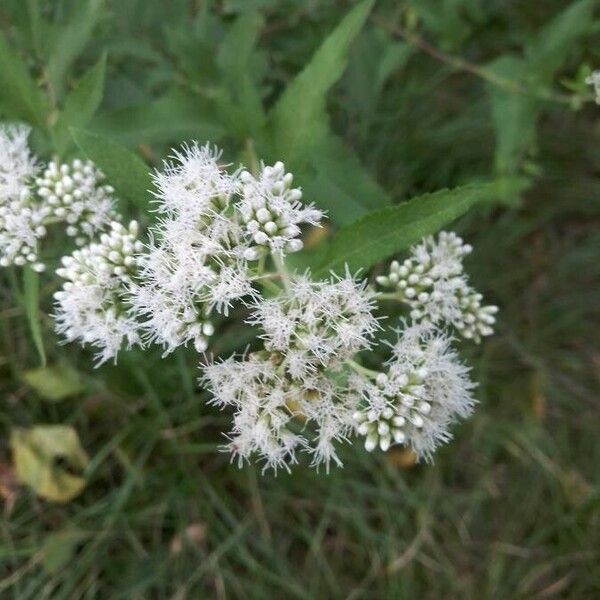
<point x="299" y="119"/>
<point x="168" y="119"/>
<point x="125" y="171"/>
<point x="20" y="96"/>
<point x="338" y="183"/>
<point x="59" y="548"/>
<point x="31" y="304"/>
<point x="385" y="232"/>
<point x="55" y="382"/>
<point x="553" y="43"/>
<point x="81" y="104"/>
<point x="70" y="39"/>
<point x="36" y="452"/>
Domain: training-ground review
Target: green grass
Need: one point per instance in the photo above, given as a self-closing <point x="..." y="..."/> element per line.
<point x="509" y="510"/>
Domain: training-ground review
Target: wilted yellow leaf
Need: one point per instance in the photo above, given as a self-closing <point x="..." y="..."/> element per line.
<point x="54" y="383"/>
<point x="36" y="455"/>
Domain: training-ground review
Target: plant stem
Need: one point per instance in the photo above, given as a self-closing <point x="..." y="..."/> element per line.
<point x="277" y="260"/>
<point x="362" y="370"/>
<point x="390" y="296"/>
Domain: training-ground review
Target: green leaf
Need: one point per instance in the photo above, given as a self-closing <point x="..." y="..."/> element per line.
<point x="70" y="39"/>
<point x="31" y="304"/>
<point x="553" y="43"/>
<point x="339" y="183"/>
<point x="20" y="96"/>
<point x="125" y="171"/>
<point x="35" y="25"/>
<point x="81" y="104"/>
<point x="240" y="103"/>
<point x="59" y="548"/>
<point x="55" y="382"/>
<point x="514" y="117"/>
<point x="171" y="117"/>
<point x="299" y="119"/>
<point x="385" y="232"/>
<point x="36" y="452"/>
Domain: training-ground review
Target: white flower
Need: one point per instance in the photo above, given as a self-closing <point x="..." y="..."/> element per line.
<point x="263" y="403"/>
<point x="75" y="193"/>
<point x="272" y="212"/>
<point x="91" y="306"/>
<point x="194" y="182"/>
<point x="21" y="216"/>
<point x="317" y="323"/>
<point x="594" y="80"/>
<point x="425" y="390"/>
<point x="433" y="283"/>
<point x="329" y="409"/>
<point x="17" y="165"/>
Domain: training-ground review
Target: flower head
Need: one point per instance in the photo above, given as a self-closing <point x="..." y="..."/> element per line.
<point x="272" y="212"/>
<point x="193" y="182"/>
<point x="317" y="324"/>
<point x="92" y="306"/>
<point x="424" y="391"/>
<point x="433" y="283"/>
<point x="21" y="216"/>
<point x="76" y="194"/>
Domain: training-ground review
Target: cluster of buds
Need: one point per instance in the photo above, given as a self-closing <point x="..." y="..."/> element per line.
<point x="432" y="282"/>
<point x="424" y="391"/>
<point x="272" y="212"/>
<point x="75" y="193"/>
<point x="92" y="305"/>
<point x="32" y="199"/>
<point x="21" y="228"/>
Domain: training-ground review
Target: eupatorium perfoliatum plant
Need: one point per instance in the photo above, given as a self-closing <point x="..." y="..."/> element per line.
<point x="221" y="239"/>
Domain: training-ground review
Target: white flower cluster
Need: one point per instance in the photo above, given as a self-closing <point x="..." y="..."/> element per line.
<point x="21" y="218"/>
<point x="71" y="194"/>
<point x="310" y="330"/>
<point x="221" y="239"/>
<point x="433" y="283"/>
<point x="75" y="194"/>
<point x="92" y="305"/>
<point x="272" y="212"/>
<point x="213" y="224"/>
<point x="594" y="81"/>
<point x="423" y="392"/>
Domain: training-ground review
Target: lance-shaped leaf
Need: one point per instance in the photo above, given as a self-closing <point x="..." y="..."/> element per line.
<point x="20" y="97"/>
<point x="81" y="104"/>
<point x="299" y="119"/>
<point x="385" y="232"/>
<point x="125" y="171"/>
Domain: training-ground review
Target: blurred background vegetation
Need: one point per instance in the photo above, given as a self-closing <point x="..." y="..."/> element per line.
<point x="429" y="94"/>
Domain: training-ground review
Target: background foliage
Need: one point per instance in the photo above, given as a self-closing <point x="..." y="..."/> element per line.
<point x="369" y="109"/>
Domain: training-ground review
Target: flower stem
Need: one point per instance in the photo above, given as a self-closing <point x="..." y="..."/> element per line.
<point x="362" y="370"/>
<point x="390" y="296"/>
<point x="278" y="261"/>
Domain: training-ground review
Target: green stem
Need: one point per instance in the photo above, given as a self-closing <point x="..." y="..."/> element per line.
<point x="362" y="370"/>
<point x="390" y="296"/>
<point x="278" y="261"/>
